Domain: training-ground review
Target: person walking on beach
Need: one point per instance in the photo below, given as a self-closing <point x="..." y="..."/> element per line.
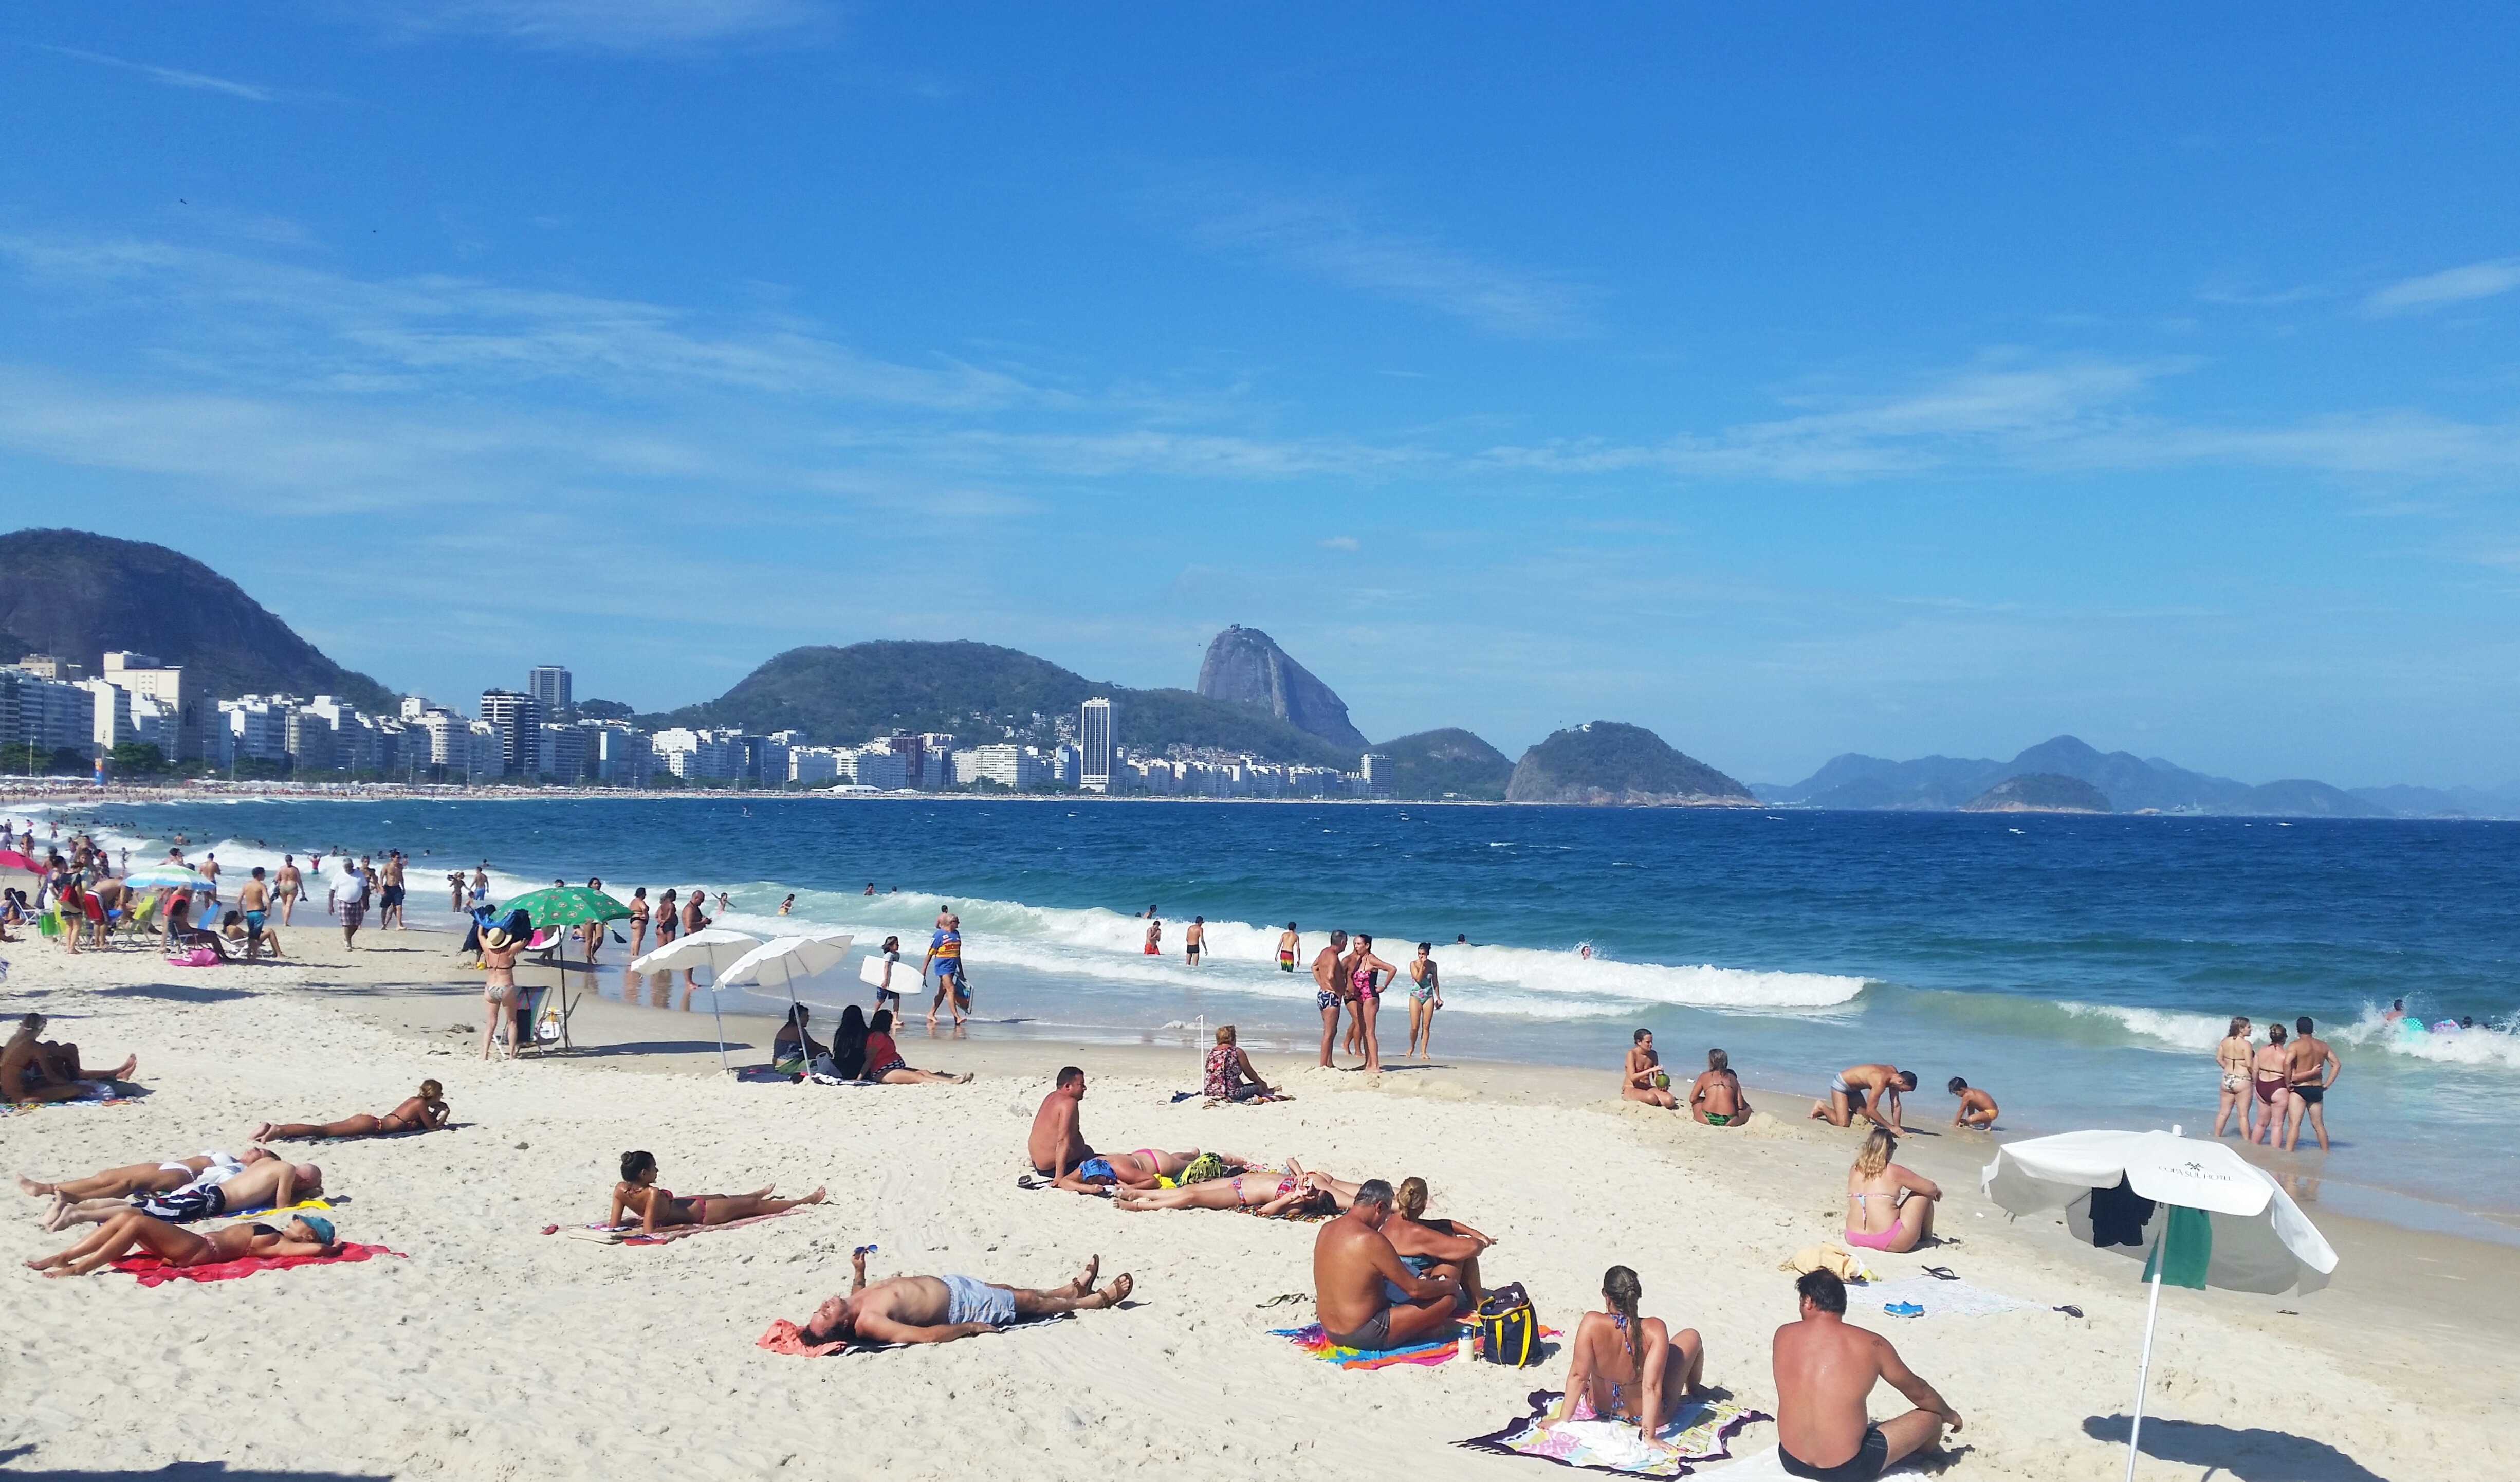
<point x="1425" y="996"/>
<point x="1643" y="1078"/>
<point x="2271" y="1079"/>
<point x="2232" y="1059"/>
<point x="499" y="952"/>
<point x="288" y="884"/>
<point x="255" y="900"/>
<point x="480" y="884"/>
<point x="1291" y="942"/>
<point x="1330" y="989"/>
<point x="391" y="888"/>
<point x="349" y="900"/>
<point x="2312" y="1069"/>
<point x="210" y="900"/>
<point x="945" y="960"/>
<point x="1826" y="1369"/>
<point x="889" y="989"/>
<point x="638" y="919"/>
<point x="1194" y="940"/>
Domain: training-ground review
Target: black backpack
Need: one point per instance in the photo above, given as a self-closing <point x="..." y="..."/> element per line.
<point x="1509" y="1329"/>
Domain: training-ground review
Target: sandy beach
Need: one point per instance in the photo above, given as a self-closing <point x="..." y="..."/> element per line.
<point x="495" y="1350"/>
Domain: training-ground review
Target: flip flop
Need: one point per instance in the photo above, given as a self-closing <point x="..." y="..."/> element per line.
<point x="1942" y="1274"/>
<point x="2068" y="1310"/>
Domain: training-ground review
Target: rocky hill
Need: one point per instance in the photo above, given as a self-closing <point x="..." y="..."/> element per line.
<point x="1441" y="764"/>
<point x="2130" y="783"/>
<point x="844" y="695"/>
<point x="2039" y="793"/>
<point x="1607" y="762"/>
<point x="77" y="595"/>
<point x="1244" y="666"/>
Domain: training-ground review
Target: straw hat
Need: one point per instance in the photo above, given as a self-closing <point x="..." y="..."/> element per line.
<point x="496" y="940"/>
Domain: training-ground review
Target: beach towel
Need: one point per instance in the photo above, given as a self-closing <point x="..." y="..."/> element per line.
<point x="1699" y="1431"/>
<point x="1313" y="1340"/>
<point x="1831" y="1257"/>
<point x="632" y="1235"/>
<point x="1763" y="1467"/>
<point x="787" y="1337"/>
<point x="152" y="1271"/>
<point x="1940" y="1299"/>
<point x="93" y="1094"/>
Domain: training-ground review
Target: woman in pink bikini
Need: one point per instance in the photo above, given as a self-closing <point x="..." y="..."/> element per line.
<point x="1887" y="1207"/>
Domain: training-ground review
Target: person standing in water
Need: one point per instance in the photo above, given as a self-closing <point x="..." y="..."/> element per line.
<point x="2312" y="1069"/>
<point x="1291" y="942"/>
<point x="1425" y="996"/>
<point x="1194" y="940"/>
<point x="2232" y="1059"/>
<point x="1154" y="938"/>
<point x="2271" y="1079"/>
<point x="638" y="919"/>
<point x="1368" y="975"/>
<point x="945" y="960"/>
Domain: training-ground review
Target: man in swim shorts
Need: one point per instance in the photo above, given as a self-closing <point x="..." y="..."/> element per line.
<point x="945" y="960"/>
<point x="1364" y="1294"/>
<point x="1329" y="989"/>
<point x="1056" y="1142"/>
<point x="1852" y="1088"/>
<point x="2312" y="1069"/>
<point x="261" y="1180"/>
<point x="1194" y="940"/>
<point x="1825" y="1369"/>
<point x="1289" y="942"/>
<point x="942" y="1309"/>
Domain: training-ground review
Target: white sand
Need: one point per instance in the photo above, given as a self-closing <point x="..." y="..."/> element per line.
<point x="496" y="1351"/>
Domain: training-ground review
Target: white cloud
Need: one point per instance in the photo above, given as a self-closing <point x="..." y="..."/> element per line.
<point x="170" y="76"/>
<point x="2477" y="280"/>
<point x="1327" y="239"/>
<point x="1340" y="543"/>
<point x="608" y="25"/>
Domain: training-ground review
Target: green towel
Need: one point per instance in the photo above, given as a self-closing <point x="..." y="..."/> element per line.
<point x="2186" y="1248"/>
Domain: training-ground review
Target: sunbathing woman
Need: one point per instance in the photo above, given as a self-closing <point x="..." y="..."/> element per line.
<point x="1434" y="1247"/>
<point x="1626" y="1366"/>
<point x="1261" y="1193"/>
<point x="424" y="1113"/>
<point x="1887" y="1207"/>
<point x="638" y="1193"/>
<point x="131" y="1232"/>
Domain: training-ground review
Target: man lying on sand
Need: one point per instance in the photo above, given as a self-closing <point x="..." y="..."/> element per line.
<point x="35" y="1069"/>
<point x="132" y="1231"/>
<point x="638" y="1193"/>
<point x="941" y="1309"/>
<point x="262" y="1180"/>
<point x="424" y="1113"/>
<point x="1825" y="1369"/>
<point x="1715" y="1098"/>
<point x="135" y="1178"/>
<point x="1365" y="1297"/>
<point x="1851" y="1088"/>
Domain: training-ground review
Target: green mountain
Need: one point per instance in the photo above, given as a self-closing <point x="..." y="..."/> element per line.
<point x="78" y="596"/>
<point x="2039" y="793"/>
<point x="841" y="697"/>
<point x="1438" y="764"/>
<point x="1606" y="762"/>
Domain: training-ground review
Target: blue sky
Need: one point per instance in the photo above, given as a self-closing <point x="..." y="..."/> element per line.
<point x="1792" y="380"/>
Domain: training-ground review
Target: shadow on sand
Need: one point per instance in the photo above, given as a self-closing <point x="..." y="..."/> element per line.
<point x="2246" y="1456"/>
<point x="174" y="993"/>
<point x="186" y="1471"/>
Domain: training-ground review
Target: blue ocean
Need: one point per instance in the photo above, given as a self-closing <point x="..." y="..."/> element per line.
<point x="2079" y="967"/>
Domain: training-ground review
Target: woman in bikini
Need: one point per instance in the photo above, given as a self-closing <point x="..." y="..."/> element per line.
<point x="1623" y="1367"/>
<point x="2231" y="1057"/>
<point x="1435" y="1247"/>
<point x="1367" y="976"/>
<point x="424" y="1113"/>
<point x="1261" y="1192"/>
<point x="499" y="953"/>
<point x="638" y="919"/>
<point x="1717" y="1099"/>
<point x="2270" y="1077"/>
<point x="133" y="1233"/>
<point x="1887" y="1207"/>
<point x="1643" y="1079"/>
<point x="1425" y="996"/>
<point x="638" y="1193"/>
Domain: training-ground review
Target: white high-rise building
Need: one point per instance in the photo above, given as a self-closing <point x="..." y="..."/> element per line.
<point x="112" y="712"/>
<point x="1093" y="742"/>
<point x="143" y="674"/>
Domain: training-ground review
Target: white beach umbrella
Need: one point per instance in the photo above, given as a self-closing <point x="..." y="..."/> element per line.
<point x="2200" y="1213"/>
<point x="783" y="961"/>
<point x="716" y="948"/>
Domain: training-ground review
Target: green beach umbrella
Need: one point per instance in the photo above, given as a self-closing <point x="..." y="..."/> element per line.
<point x="567" y="906"/>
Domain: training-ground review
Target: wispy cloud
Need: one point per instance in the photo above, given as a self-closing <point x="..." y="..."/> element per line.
<point x="170" y="76"/>
<point x="2477" y="280"/>
<point x="608" y="25"/>
<point x="1341" y="543"/>
<point x="1332" y="240"/>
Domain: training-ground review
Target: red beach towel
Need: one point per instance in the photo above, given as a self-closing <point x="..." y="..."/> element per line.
<point x="152" y="1271"/>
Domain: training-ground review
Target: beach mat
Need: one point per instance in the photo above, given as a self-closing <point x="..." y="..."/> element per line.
<point x="1939" y="1298"/>
<point x="1313" y="1340"/>
<point x="100" y="1094"/>
<point x="787" y="1337"/>
<point x="1700" y="1431"/>
<point x="631" y="1235"/>
<point x="152" y="1271"/>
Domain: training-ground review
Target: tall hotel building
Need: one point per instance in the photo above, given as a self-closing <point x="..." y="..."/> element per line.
<point x="1094" y="739"/>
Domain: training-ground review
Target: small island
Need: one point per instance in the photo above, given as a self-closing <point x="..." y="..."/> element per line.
<point x="2039" y="793"/>
<point x="1605" y="762"/>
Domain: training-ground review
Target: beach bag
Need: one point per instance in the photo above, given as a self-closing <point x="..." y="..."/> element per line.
<point x="1206" y="1166"/>
<point x="546" y="1029"/>
<point x="198" y="957"/>
<point x="1509" y="1329"/>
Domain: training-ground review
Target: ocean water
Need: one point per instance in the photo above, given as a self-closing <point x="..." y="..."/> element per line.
<point x="2080" y="968"/>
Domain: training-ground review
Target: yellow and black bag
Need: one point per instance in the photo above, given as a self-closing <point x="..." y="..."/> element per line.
<point x="1509" y="1329"/>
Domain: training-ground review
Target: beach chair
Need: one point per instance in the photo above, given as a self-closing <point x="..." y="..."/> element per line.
<point x="544" y="1020"/>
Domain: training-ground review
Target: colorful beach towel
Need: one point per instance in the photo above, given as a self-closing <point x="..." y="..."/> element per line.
<point x="1700" y="1431"/>
<point x="152" y="1271"/>
<point x="1940" y="1299"/>
<point x="787" y="1337"/>
<point x="1313" y="1340"/>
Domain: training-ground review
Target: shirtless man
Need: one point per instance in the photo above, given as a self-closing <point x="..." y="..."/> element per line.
<point x="1638" y="1076"/>
<point x="1329" y="989"/>
<point x="255" y="900"/>
<point x="210" y="868"/>
<point x="131" y="1232"/>
<point x="1863" y="1091"/>
<point x="1289" y="942"/>
<point x="1977" y="1109"/>
<point x="1057" y="1143"/>
<point x="133" y="1178"/>
<point x="264" y="1180"/>
<point x="288" y="884"/>
<point x="1364" y="1295"/>
<point x="34" y="1069"/>
<point x="1194" y="940"/>
<point x="1715" y="1098"/>
<point x="941" y="1309"/>
<point x="2313" y="1067"/>
<point x="1825" y="1369"/>
<point x="390" y="892"/>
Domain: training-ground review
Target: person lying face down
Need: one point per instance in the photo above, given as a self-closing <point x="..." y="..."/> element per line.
<point x="260" y="1179"/>
<point x="942" y="1309"/>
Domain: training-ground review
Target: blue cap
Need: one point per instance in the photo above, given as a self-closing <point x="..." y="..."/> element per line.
<point x="322" y="1227"/>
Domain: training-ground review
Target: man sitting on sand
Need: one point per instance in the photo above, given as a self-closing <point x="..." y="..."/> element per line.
<point x="133" y="1233"/>
<point x="1977" y="1109"/>
<point x="34" y="1069"/>
<point x="1364" y="1295"/>
<point x="941" y="1309"/>
<point x="1852" y="1088"/>
<point x="1716" y="1098"/>
<point x="1056" y="1142"/>
<point x="1826" y="1370"/>
<point x="261" y="1180"/>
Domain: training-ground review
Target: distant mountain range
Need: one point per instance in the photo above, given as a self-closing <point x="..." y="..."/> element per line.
<point x="2129" y="783"/>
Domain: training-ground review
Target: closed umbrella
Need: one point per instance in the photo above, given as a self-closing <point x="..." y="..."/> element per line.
<point x="567" y="906"/>
<point x="716" y="948"/>
<point x="2201" y="1214"/>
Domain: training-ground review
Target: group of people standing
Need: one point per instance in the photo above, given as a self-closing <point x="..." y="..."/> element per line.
<point x="1349" y="982"/>
<point x="2274" y="1088"/>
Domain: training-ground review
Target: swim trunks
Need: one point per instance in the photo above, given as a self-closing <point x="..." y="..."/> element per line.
<point x="2310" y="1094"/>
<point x="1285" y="960"/>
<point x="193" y="1201"/>
<point x="968" y="1299"/>
<point x="253" y="921"/>
<point x="1190" y="952"/>
<point x="1866" y="1463"/>
<point x="1322" y="998"/>
<point x="1373" y="1336"/>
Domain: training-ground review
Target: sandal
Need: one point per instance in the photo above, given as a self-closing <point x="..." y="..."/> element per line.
<point x="1942" y="1274"/>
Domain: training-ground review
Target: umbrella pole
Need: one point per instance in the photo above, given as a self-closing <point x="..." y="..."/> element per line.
<point x="720" y="1015"/>
<point x="2143" y="1367"/>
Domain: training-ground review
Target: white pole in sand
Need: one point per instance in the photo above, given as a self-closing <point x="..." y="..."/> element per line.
<point x="2151" y="1312"/>
<point x="720" y="1015"/>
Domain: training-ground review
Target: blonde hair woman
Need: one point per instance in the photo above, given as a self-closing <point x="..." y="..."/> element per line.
<point x="1434" y="1249"/>
<point x="2233" y="1055"/>
<point x="1230" y="1076"/>
<point x="1626" y="1366"/>
<point x="1887" y="1207"/>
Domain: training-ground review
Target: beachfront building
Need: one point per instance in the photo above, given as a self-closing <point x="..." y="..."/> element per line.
<point x="111" y="712"/>
<point x="519" y="719"/>
<point x="813" y="766"/>
<point x="485" y="752"/>
<point x="618" y="753"/>
<point x="1094" y="743"/>
<point x="256" y="727"/>
<point x="699" y="755"/>
<point x="559" y="752"/>
<point x="141" y="673"/>
<point x="1064" y="762"/>
<point x="40" y="717"/>
<point x="549" y="684"/>
<point x="876" y="765"/>
<point x="1006" y="764"/>
<point x="50" y="666"/>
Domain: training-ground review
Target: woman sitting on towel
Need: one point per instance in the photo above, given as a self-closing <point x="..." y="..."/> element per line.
<point x="1434" y="1247"/>
<point x="850" y="1045"/>
<point x="424" y="1113"/>
<point x="130" y="1232"/>
<point x="1261" y="1192"/>
<point x="638" y="1193"/>
<point x="883" y="1062"/>
<point x="1887" y="1207"/>
<point x="1626" y="1366"/>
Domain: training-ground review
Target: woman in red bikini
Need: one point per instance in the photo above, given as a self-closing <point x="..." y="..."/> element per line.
<point x="424" y="1113"/>
<point x="1887" y="1207"/>
<point x="638" y="1193"/>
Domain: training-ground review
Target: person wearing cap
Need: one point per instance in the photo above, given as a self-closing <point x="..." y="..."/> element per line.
<point x="132" y="1233"/>
<point x="499" y="952"/>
